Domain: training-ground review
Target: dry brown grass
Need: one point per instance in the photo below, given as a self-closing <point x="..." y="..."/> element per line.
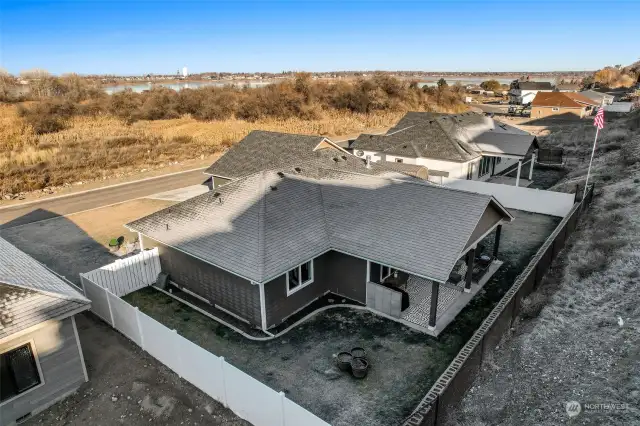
<point x="94" y="147"/>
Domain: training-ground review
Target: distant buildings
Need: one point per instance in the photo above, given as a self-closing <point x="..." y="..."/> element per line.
<point x="564" y="105"/>
<point x="523" y="92"/>
<point x="185" y="73"/>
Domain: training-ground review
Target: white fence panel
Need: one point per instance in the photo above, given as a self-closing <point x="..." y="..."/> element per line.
<point x="98" y="297"/>
<point x="519" y="198"/>
<point x="124" y="318"/>
<point x="127" y="275"/>
<point x="160" y="342"/>
<point x="296" y="415"/>
<point x="202" y="369"/>
<point x="252" y="400"/>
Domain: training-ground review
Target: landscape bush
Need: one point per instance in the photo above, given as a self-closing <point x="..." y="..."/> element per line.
<point x="301" y="98"/>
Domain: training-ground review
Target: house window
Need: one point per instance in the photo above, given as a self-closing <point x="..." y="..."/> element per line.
<point x="18" y="372"/>
<point x="385" y="272"/>
<point x="398" y="160"/>
<point x="299" y="277"/>
<point x="485" y="164"/>
<point x="469" y="171"/>
<point x="555" y="109"/>
<point x="498" y="160"/>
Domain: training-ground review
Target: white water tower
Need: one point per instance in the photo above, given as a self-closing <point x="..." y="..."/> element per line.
<point x="184" y="72"/>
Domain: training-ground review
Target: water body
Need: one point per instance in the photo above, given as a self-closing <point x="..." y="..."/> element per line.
<point x="181" y="85"/>
<point x="477" y="80"/>
<point x="196" y="84"/>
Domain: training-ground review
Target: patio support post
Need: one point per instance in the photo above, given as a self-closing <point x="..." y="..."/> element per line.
<point x="533" y="161"/>
<point x="435" y="288"/>
<point x="471" y="256"/>
<point x="519" y="170"/>
<point x="496" y="243"/>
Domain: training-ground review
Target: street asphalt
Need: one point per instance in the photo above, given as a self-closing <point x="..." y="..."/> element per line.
<point x="48" y="208"/>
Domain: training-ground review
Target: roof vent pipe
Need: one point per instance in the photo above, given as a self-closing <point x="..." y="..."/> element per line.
<point x="368" y="162"/>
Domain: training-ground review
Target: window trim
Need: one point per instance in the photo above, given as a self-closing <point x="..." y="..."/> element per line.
<point x="487" y="166"/>
<point x="391" y="271"/>
<point x="32" y="345"/>
<point x="303" y="284"/>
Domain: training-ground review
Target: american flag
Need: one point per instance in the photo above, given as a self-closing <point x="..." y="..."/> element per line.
<point x="599" y="120"/>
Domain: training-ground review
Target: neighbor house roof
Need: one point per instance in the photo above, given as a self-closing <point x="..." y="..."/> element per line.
<point x="568" y="86"/>
<point x="562" y="99"/>
<point x="30" y="293"/>
<point x="535" y="85"/>
<point x="597" y="97"/>
<point x="449" y="137"/>
<point x="262" y="150"/>
<point x="261" y="226"/>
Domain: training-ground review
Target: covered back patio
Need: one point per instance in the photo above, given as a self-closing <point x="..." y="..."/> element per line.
<point x="428" y="305"/>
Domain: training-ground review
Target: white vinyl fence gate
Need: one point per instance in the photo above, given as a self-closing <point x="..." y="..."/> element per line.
<point x="244" y="395"/>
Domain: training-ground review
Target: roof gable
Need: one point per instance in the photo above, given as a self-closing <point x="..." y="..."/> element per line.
<point x="21" y="270"/>
<point x="262" y="150"/>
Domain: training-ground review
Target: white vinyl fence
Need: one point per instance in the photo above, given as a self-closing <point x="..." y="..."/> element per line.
<point x="244" y="395"/>
<point x="127" y="275"/>
<point x="512" y="197"/>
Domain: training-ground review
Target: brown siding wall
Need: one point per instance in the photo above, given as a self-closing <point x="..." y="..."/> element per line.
<point x="218" y="181"/>
<point x="333" y="271"/>
<point x="229" y="291"/>
<point x="568" y="113"/>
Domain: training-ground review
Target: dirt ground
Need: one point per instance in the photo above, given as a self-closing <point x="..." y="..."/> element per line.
<point x="405" y="363"/>
<point x="127" y="386"/>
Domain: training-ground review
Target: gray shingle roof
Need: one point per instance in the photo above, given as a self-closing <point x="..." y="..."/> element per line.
<point x="21" y="308"/>
<point x="449" y="137"/>
<point x="30" y="293"/>
<point x="535" y="85"/>
<point x="261" y="150"/>
<point x="269" y="222"/>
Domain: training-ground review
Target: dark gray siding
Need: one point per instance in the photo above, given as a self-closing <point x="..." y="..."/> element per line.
<point x="57" y="351"/>
<point x="348" y="276"/>
<point x="220" y="287"/>
<point x="333" y="271"/>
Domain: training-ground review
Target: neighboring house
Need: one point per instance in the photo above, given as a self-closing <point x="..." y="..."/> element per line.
<point x="262" y="150"/>
<point x="41" y="359"/>
<point x="619" y="107"/>
<point x="523" y="92"/>
<point x="568" y="87"/>
<point x="266" y="245"/>
<point x="598" y="97"/>
<point x="564" y="105"/>
<point x="463" y="146"/>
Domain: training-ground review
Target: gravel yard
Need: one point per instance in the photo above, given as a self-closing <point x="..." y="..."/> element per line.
<point x="405" y="363"/>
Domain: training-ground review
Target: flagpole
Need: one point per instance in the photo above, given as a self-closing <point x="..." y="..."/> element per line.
<point x="593" y="151"/>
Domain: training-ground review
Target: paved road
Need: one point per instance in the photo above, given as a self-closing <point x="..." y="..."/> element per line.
<point x="22" y="214"/>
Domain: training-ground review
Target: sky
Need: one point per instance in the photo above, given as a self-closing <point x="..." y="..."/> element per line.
<point x="140" y="37"/>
